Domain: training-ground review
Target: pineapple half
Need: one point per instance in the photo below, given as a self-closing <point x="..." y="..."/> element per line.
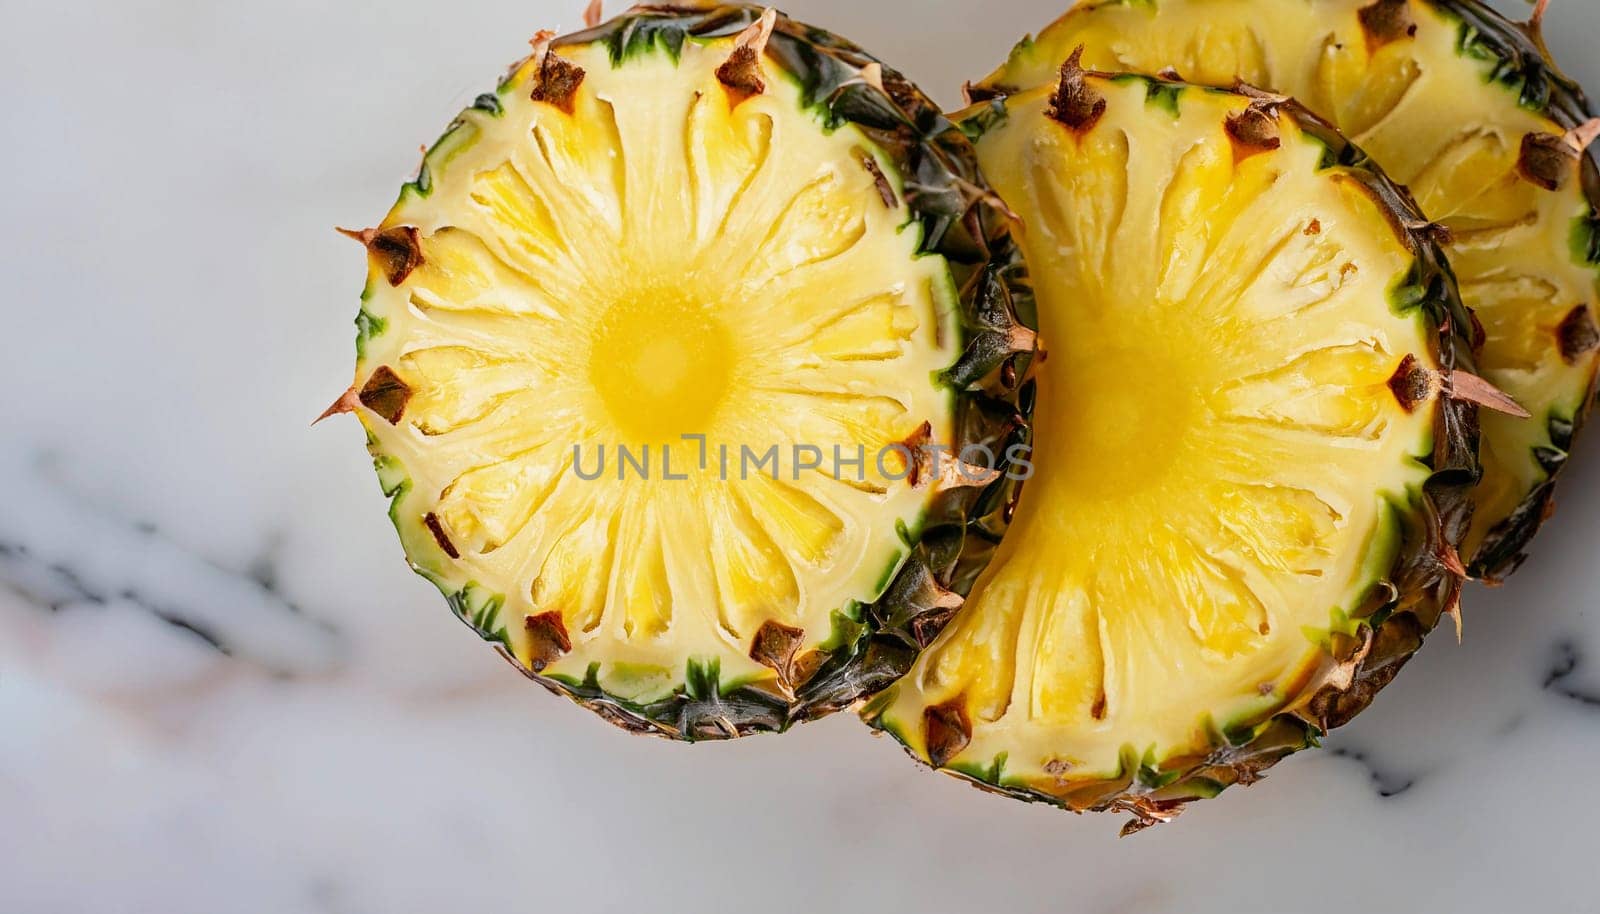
<point x="635" y="342"/>
<point x="1251" y="465"/>
<point x="1468" y="111"/>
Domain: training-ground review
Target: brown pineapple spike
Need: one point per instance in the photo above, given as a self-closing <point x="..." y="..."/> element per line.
<point x="740" y="75"/>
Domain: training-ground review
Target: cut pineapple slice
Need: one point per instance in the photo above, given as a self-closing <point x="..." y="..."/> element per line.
<point x="635" y="345"/>
<point x="1460" y="106"/>
<point x="1247" y="477"/>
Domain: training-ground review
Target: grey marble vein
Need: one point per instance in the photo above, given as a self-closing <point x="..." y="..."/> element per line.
<point x="1569" y="662"/>
<point x="234" y="612"/>
<point x="1386" y="782"/>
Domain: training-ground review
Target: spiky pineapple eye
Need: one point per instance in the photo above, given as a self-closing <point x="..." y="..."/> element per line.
<point x="645" y="304"/>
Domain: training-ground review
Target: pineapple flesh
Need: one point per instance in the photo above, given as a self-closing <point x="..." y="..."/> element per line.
<point x="629" y="335"/>
<point x="1466" y="110"/>
<point x="1249" y="475"/>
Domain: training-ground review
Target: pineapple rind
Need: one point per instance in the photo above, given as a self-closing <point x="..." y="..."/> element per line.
<point x="979" y="293"/>
<point x="1400" y="592"/>
<point x="1509" y="62"/>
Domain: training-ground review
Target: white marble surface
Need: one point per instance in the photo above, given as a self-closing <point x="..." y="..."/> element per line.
<point x="316" y="733"/>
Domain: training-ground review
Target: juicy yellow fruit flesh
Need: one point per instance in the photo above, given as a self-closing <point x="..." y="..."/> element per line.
<point x="1436" y="122"/>
<point x="660" y="263"/>
<point x="661" y="365"/>
<point x="1216" y="438"/>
